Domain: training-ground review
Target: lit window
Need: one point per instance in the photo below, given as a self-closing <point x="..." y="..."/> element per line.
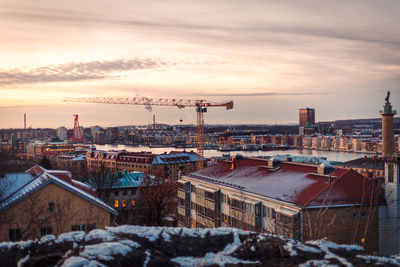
<point x="124" y="203"/>
<point x="133" y="202"/>
<point x="116" y="204"/>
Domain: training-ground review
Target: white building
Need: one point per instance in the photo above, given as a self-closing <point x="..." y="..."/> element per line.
<point x="62" y="133"/>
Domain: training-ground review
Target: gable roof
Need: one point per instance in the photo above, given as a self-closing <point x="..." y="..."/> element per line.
<point x="290" y="182"/>
<point x="63" y="175"/>
<point x="41" y="181"/>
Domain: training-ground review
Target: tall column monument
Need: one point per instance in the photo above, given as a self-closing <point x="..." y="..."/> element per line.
<point x="387" y="129"/>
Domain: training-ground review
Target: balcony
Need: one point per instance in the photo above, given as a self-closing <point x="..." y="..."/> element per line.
<point x="181" y="194"/>
<point x="181" y="210"/>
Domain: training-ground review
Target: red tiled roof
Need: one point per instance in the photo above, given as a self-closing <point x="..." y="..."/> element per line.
<point x="292" y="182"/>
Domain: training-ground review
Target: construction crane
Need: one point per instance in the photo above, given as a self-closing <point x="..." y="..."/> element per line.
<point x="200" y="105"/>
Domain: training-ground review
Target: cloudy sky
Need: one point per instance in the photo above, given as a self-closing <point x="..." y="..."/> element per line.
<point x="270" y="57"/>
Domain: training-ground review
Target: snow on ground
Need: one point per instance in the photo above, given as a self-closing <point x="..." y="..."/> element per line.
<point x="80" y="262"/>
<point x="151" y="233"/>
<point x="379" y="260"/>
<point x="105" y="251"/>
<point x="47" y="239"/>
<point x="325" y="246"/>
<point x="76" y="236"/>
<point x="22" y="261"/>
<point x="20" y="244"/>
<point x="210" y="259"/>
<point x="100" y="234"/>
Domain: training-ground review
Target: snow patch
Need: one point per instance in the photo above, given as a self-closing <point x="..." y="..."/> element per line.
<point x="76" y="236"/>
<point x="151" y="233"/>
<point x="100" y="234"/>
<point x="147" y="260"/>
<point x="379" y="260"/>
<point x="81" y="262"/>
<point x="130" y="243"/>
<point x="22" y="261"/>
<point x="210" y="259"/>
<point x="105" y="251"/>
<point x="47" y="239"/>
<point x="317" y="263"/>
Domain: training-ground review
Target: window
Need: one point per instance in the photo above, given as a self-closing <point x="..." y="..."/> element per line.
<point x="124" y="203"/>
<point x="355" y="216"/>
<point x="83" y="227"/>
<point x="133" y="191"/>
<point x="390" y="173"/>
<point x="116" y="192"/>
<point x="51" y="207"/>
<point x="116" y="204"/>
<point x="14" y="234"/>
<point x="46" y="231"/>
<point x="125" y="192"/>
<point x="133" y="202"/>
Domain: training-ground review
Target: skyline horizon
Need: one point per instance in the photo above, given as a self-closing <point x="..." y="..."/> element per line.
<point x="270" y="58"/>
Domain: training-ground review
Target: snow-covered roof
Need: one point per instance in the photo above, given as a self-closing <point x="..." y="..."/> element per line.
<point x="11" y="182"/>
<point x="174" y="158"/>
<point x="79" y="158"/>
<point x="41" y="181"/>
<point x="294" y="183"/>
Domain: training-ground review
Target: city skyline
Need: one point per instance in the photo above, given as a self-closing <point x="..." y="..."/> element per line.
<point x="270" y="58"/>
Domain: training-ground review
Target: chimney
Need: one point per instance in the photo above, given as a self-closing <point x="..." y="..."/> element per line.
<point x="288" y="159"/>
<point x="273" y="162"/>
<point x="234" y="162"/>
<point x="325" y="168"/>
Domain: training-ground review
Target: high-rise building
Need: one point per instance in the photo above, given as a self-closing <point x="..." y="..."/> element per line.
<point x="62" y="133"/>
<point x="306" y="117"/>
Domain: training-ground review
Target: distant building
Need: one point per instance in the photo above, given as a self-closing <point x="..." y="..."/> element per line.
<point x="62" y="133"/>
<point x="41" y="202"/>
<point x="123" y="196"/>
<point x="162" y="165"/>
<point x="300" y="201"/>
<point x="306" y="117"/>
<point x="74" y="164"/>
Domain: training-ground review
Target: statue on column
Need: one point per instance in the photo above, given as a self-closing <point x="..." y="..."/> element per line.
<point x="387" y="97"/>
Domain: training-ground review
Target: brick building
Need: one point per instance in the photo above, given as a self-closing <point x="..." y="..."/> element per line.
<point x="300" y="201"/>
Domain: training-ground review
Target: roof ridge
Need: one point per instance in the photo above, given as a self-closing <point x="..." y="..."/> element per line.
<point x="324" y="189"/>
<point x="33" y="179"/>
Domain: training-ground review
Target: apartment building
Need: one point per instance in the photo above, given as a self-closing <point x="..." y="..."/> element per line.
<point x="300" y="201"/>
<point x="163" y="165"/>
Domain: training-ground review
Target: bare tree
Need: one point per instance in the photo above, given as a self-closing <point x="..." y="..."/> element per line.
<point x="158" y="198"/>
<point x="103" y="181"/>
<point x="320" y="224"/>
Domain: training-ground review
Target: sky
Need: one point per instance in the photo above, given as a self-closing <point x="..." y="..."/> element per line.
<point x="270" y="57"/>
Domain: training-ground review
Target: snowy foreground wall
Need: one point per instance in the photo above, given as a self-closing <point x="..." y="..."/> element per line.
<point x="157" y="246"/>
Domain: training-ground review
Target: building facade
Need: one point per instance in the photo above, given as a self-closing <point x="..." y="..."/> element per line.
<point x="306" y="117"/>
<point x="162" y="165"/>
<point x="300" y="201"/>
<point x="39" y="203"/>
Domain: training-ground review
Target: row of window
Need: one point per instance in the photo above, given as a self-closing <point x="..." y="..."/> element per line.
<point x="125" y="191"/>
<point x="16" y="234"/>
<point x="123" y="203"/>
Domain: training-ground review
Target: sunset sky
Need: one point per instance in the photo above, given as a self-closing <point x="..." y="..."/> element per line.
<point x="270" y="57"/>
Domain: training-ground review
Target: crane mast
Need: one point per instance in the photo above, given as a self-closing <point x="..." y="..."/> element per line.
<point x="200" y="105"/>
